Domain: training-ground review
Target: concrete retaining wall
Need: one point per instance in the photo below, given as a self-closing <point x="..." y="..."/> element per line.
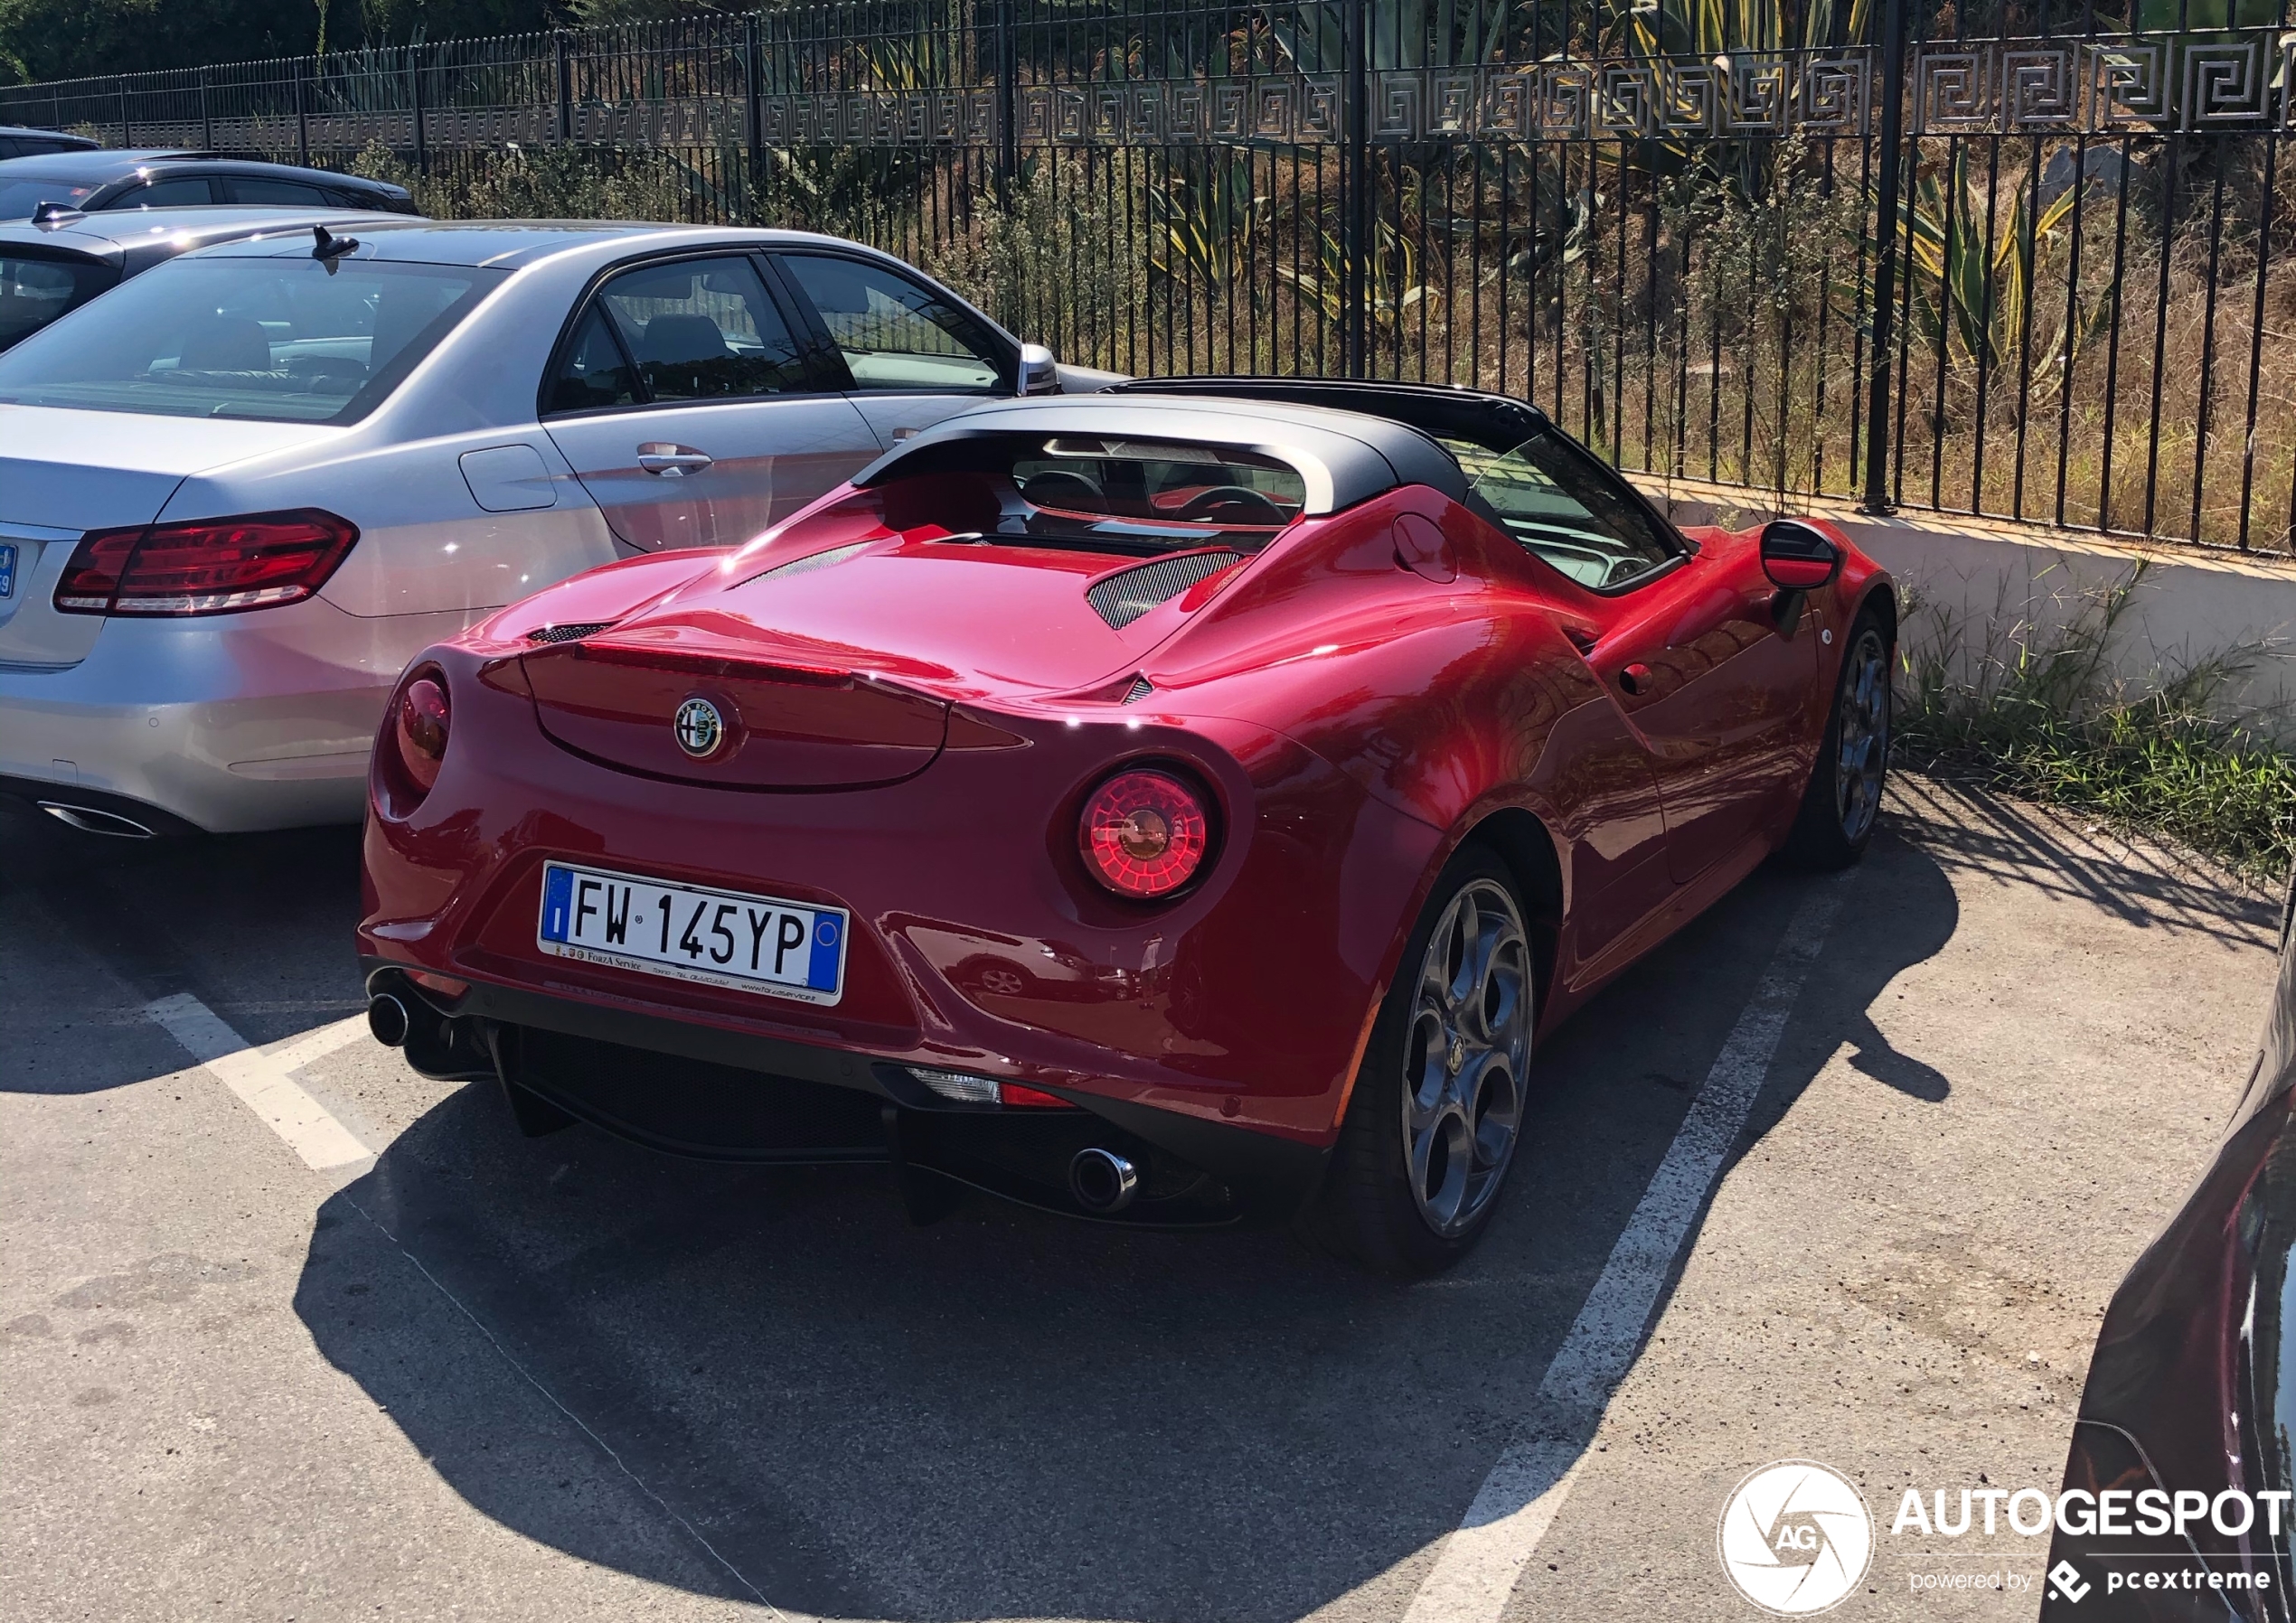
<point x="1980" y="590"/>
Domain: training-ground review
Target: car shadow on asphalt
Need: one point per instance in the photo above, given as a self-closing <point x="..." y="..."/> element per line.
<point x="257" y="926"/>
<point x="1005" y="1414"/>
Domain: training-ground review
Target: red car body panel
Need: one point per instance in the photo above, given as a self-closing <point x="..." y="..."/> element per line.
<point x="1358" y="699"/>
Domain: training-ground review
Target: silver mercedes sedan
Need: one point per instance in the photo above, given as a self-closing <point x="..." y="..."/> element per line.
<point x="240" y="492"/>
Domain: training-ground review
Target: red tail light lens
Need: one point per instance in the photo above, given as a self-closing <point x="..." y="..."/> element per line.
<point x="419" y="725"/>
<point x="206" y="567"/>
<point x="1144" y="833"/>
<point x="1013" y="1096"/>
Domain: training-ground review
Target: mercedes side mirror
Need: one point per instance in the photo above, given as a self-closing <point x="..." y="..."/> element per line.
<point x="1799" y="557"/>
<point x="1040" y="370"/>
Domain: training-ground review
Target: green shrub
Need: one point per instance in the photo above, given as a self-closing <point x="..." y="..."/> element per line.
<point x="2042" y="715"/>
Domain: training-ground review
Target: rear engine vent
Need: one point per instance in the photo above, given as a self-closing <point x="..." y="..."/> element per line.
<point x="1122" y="598"/>
<point x="1141" y="689"/>
<point x="819" y="560"/>
<point x="567" y="634"/>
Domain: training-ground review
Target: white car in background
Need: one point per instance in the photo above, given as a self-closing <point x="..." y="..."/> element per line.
<point x="240" y="492"/>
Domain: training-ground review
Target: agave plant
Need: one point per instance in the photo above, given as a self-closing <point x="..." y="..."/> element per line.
<point x="1723" y="31"/>
<point x="1202" y="222"/>
<point x="1977" y="294"/>
<point x="1397" y="33"/>
<point x="1393" y="287"/>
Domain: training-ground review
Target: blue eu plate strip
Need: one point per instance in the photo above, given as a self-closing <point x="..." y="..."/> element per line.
<point x="557" y="898"/>
<point x="821" y="974"/>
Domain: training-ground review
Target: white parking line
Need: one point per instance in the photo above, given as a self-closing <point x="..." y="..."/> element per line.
<point x="1476" y="1570"/>
<point x="262" y="1081"/>
<point x="313" y="1045"/>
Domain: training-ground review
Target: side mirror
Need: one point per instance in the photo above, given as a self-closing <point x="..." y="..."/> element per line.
<point x="1798" y="557"/>
<point x="1040" y="370"/>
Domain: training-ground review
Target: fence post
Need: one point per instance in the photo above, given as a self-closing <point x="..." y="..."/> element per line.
<point x="753" y="111"/>
<point x="127" y="136"/>
<point x="302" y="116"/>
<point x="206" y="118"/>
<point x="1891" y="159"/>
<point x="565" y="86"/>
<point x="1008" y="131"/>
<point x="414" y="73"/>
<point x="1355" y="176"/>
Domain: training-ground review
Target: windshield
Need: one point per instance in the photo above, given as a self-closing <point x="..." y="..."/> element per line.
<point x="285" y="340"/>
<point x="1086" y="492"/>
<point x="34" y="292"/>
<point x="1566" y="509"/>
<point x="20" y="194"/>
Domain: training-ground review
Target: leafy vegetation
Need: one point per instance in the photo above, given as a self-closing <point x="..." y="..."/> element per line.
<point x="73" y="38"/>
<point x="2042" y="715"/>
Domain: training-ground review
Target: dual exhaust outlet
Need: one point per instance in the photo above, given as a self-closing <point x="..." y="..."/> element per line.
<point x="1103" y="1182"/>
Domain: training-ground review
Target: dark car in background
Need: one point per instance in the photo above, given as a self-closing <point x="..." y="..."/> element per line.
<point x="51" y="267"/>
<point x="17" y="142"/>
<point x="97" y="181"/>
<point x="2191" y="1393"/>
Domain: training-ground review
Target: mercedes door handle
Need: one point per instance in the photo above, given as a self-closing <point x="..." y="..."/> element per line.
<point x="672" y="461"/>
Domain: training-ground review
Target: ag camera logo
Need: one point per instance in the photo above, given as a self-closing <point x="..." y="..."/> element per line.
<point x="1796" y="1538"/>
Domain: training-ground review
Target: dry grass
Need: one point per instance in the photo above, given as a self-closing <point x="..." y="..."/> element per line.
<point x="1701" y="323"/>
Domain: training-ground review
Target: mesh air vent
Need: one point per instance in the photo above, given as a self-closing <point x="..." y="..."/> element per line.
<point x="1122" y="598"/>
<point x="819" y="560"/>
<point x="566" y="633"/>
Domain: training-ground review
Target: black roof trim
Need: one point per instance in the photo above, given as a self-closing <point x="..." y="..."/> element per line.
<point x="1442" y="410"/>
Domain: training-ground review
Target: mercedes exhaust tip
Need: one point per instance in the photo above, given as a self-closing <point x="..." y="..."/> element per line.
<point x="88" y="819"/>
<point x="1103" y="1181"/>
<point x="388" y="1020"/>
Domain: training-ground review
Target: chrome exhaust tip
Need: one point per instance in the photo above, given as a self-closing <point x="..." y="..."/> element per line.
<point x="89" y="821"/>
<point x="388" y="1020"/>
<point x="1102" y="1180"/>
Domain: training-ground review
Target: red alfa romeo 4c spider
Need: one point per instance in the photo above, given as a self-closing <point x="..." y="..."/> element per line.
<point x="1163" y="805"/>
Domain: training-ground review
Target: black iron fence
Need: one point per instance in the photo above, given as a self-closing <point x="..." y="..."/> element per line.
<point x="2029" y="265"/>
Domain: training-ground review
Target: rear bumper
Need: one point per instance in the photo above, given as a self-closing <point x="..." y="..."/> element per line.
<point x="225" y="725"/>
<point x="713" y="1093"/>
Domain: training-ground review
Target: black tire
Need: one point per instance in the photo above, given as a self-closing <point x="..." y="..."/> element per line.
<point x="1843" y="801"/>
<point x="1389" y="1199"/>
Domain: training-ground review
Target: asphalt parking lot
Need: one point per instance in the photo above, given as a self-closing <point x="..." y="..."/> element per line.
<point x="478" y="1375"/>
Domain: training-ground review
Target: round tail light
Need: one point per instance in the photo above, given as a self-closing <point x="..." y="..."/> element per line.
<point x="1144" y="833"/>
<point x="421" y="726"/>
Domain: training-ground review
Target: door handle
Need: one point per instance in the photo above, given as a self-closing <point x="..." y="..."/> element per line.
<point x="1635" y="678"/>
<point x="672" y="461"/>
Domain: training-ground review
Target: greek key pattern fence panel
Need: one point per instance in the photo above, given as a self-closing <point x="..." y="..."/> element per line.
<point x="2099" y="86"/>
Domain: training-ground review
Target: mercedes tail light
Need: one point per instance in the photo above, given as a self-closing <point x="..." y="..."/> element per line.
<point x="1145" y="833"/>
<point x="206" y="565"/>
<point x="419" y="724"/>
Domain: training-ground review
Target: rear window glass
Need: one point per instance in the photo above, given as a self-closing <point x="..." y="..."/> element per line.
<point x="20" y="194"/>
<point x="1089" y="492"/>
<point x="281" y="340"/>
<point x="34" y="292"/>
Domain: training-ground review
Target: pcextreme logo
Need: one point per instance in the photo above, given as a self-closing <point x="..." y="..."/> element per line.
<point x="1796" y="1538"/>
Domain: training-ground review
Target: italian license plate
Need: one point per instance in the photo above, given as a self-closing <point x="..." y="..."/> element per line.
<point x="7" y="571"/>
<point x="687" y="933"/>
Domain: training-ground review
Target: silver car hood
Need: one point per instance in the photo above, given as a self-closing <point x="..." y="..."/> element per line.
<point x="64" y="473"/>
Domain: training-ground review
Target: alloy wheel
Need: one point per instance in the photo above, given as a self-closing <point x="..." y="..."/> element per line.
<point x="1862" y="757"/>
<point x="1468" y="1048"/>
